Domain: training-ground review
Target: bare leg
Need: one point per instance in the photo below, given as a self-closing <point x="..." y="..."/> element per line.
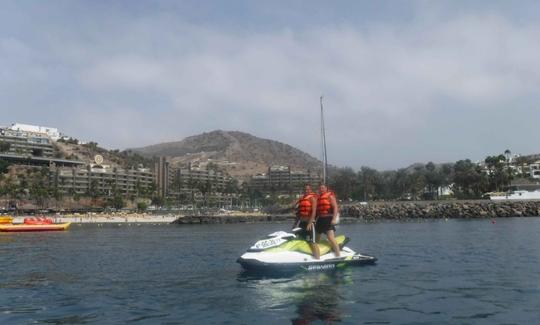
<point x="315" y="250"/>
<point x="332" y="240"/>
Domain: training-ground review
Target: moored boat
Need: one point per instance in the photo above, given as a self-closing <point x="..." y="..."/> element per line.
<point x="28" y="228"/>
<point x="517" y="195"/>
<point x="6" y="220"/>
<point x="38" y="221"/>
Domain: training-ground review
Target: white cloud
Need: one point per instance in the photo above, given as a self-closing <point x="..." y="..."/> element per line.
<point x="167" y="79"/>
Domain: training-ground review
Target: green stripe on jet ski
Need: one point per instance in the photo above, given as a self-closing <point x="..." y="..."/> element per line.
<point x="302" y="246"/>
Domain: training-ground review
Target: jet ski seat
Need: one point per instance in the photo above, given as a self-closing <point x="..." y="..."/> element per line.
<point x="302" y="246"/>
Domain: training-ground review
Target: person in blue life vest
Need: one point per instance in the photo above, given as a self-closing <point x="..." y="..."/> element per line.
<point x="306" y="209"/>
<point x="327" y="213"/>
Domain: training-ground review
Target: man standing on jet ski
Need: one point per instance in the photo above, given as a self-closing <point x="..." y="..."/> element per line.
<point x="327" y="212"/>
<point x="305" y="214"/>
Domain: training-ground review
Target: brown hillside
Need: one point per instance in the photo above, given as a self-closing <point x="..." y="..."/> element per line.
<point x="240" y="154"/>
<point x="114" y="158"/>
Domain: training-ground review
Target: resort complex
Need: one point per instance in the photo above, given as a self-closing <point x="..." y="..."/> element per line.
<point x="104" y="180"/>
<point x="281" y="179"/>
<point x="40" y="162"/>
<point x="42" y="157"/>
<point x="193" y="184"/>
<point x="18" y="141"/>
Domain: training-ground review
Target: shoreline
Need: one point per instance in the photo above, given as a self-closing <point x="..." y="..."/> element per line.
<point x="350" y="213"/>
<point x="100" y="219"/>
<point x="400" y="211"/>
<point x="443" y="210"/>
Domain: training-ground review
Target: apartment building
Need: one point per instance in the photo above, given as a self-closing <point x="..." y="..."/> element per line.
<point x="52" y="133"/>
<point x="282" y="179"/>
<point x="25" y="143"/>
<point x="172" y="181"/>
<point x="163" y="176"/>
<point x="101" y="180"/>
<point x="187" y="178"/>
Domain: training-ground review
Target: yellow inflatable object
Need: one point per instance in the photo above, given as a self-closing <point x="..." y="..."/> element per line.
<point x="303" y="246"/>
<point x="6" y="220"/>
<point x="23" y="227"/>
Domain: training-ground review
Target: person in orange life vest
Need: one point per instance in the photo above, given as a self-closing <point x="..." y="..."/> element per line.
<point x="305" y="219"/>
<point x="327" y="212"/>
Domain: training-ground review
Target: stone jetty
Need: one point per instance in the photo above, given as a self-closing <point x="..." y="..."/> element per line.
<point x="441" y="210"/>
<point x="395" y="211"/>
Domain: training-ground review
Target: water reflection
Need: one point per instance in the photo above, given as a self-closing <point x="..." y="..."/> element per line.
<point x="314" y="297"/>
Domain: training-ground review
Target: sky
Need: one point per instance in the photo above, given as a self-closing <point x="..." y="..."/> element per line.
<point x="403" y="81"/>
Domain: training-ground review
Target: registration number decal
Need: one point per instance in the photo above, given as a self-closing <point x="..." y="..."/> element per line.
<point x="268" y="243"/>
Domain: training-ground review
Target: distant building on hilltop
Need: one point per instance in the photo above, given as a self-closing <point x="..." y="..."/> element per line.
<point x="29" y="145"/>
<point x="534" y="170"/>
<point x="25" y="143"/>
<point x="52" y="133"/>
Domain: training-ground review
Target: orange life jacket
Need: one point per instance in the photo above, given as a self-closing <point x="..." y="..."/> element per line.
<point x="304" y="205"/>
<point x="324" y="205"/>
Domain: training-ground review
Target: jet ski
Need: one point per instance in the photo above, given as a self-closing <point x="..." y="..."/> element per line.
<point x="283" y="252"/>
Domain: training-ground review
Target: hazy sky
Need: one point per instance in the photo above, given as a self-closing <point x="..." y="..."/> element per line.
<point x="404" y="81"/>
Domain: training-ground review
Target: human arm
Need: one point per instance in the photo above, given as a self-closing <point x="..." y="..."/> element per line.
<point x="335" y="209"/>
<point x="296" y="220"/>
<point x="297" y="215"/>
<point x="313" y="213"/>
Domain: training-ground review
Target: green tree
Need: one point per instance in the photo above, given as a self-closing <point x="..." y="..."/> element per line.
<point x="158" y="200"/>
<point x="116" y="201"/>
<point x="205" y="188"/>
<point x="4" y="166"/>
<point x="93" y="191"/>
<point x="232" y="186"/>
<point x="141" y="206"/>
<point x="343" y="182"/>
<point x="92" y="145"/>
<point x="138" y="189"/>
<point x="469" y="180"/>
<point x="434" y="180"/>
<point x="418" y="182"/>
<point x="367" y="178"/>
<point x="4" y="146"/>
<point x="498" y="174"/>
<point x="402" y="185"/>
<point x="384" y="185"/>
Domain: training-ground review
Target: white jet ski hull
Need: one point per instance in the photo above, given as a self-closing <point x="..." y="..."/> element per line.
<point x="292" y="261"/>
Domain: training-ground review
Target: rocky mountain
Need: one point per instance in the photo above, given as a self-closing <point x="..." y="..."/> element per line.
<point x="72" y="149"/>
<point x="240" y="154"/>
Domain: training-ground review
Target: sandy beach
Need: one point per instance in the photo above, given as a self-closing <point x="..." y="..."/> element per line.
<point x="108" y="218"/>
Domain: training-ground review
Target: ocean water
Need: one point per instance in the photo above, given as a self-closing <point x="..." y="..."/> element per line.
<point x="429" y="272"/>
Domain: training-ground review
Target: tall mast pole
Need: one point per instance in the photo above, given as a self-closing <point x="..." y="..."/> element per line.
<point x="323" y="143"/>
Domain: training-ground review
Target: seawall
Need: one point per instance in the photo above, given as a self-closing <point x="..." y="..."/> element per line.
<point x="395" y="211"/>
<point x="442" y="210"/>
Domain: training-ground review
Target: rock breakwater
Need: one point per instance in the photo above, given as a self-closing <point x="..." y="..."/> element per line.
<point x="442" y="209"/>
<point x="394" y="211"/>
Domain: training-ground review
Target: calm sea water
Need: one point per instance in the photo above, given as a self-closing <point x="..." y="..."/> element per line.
<point x="458" y="271"/>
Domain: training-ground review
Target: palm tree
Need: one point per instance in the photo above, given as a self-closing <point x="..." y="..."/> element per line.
<point x="507" y="154"/>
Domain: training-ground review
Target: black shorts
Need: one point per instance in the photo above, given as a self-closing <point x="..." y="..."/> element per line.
<point x="324" y="224"/>
<point x="305" y="234"/>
